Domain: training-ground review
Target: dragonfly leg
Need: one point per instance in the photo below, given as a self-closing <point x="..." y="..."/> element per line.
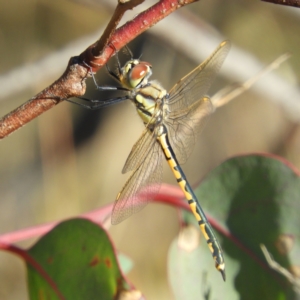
<point x="97" y="104"/>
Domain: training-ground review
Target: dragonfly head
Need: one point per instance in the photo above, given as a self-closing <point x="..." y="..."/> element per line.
<point x="135" y="73"/>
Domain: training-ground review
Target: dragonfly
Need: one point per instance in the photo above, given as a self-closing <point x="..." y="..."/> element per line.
<point x="173" y="121"/>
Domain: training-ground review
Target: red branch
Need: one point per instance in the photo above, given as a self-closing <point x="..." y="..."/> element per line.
<point x="295" y="3"/>
<point x="72" y="82"/>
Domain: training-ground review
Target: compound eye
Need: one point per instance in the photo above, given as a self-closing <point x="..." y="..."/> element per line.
<point x="139" y="71"/>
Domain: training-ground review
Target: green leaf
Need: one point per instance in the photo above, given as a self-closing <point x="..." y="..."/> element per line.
<point x="126" y="264"/>
<point x="80" y="260"/>
<point x="256" y="200"/>
<point x="191" y="269"/>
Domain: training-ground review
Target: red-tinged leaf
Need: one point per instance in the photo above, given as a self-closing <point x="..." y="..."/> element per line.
<point x="80" y="260"/>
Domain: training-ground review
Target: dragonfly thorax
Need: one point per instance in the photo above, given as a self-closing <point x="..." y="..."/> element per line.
<point x="135" y="74"/>
<point x="149" y="102"/>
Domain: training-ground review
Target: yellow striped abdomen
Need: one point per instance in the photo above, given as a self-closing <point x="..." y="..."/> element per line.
<point x="212" y="242"/>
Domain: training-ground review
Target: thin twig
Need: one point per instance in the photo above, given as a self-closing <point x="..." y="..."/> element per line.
<point x="294" y="3"/>
<point x="113" y="23"/>
<point x="229" y="93"/>
<point x="72" y="82"/>
<point x="277" y="267"/>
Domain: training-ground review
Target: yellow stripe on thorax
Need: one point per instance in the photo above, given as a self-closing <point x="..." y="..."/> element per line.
<point x="147" y="98"/>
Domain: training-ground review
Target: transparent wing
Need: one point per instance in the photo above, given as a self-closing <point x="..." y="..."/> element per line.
<point x="195" y="85"/>
<point x="184" y="128"/>
<point x="141" y="187"/>
<point x="139" y="151"/>
<point x="187" y="108"/>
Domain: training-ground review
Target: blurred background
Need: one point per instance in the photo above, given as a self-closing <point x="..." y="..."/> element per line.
<point x="69" y="160"/>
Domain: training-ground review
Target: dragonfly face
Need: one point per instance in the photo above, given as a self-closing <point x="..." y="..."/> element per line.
<point x="135" y="73"/>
